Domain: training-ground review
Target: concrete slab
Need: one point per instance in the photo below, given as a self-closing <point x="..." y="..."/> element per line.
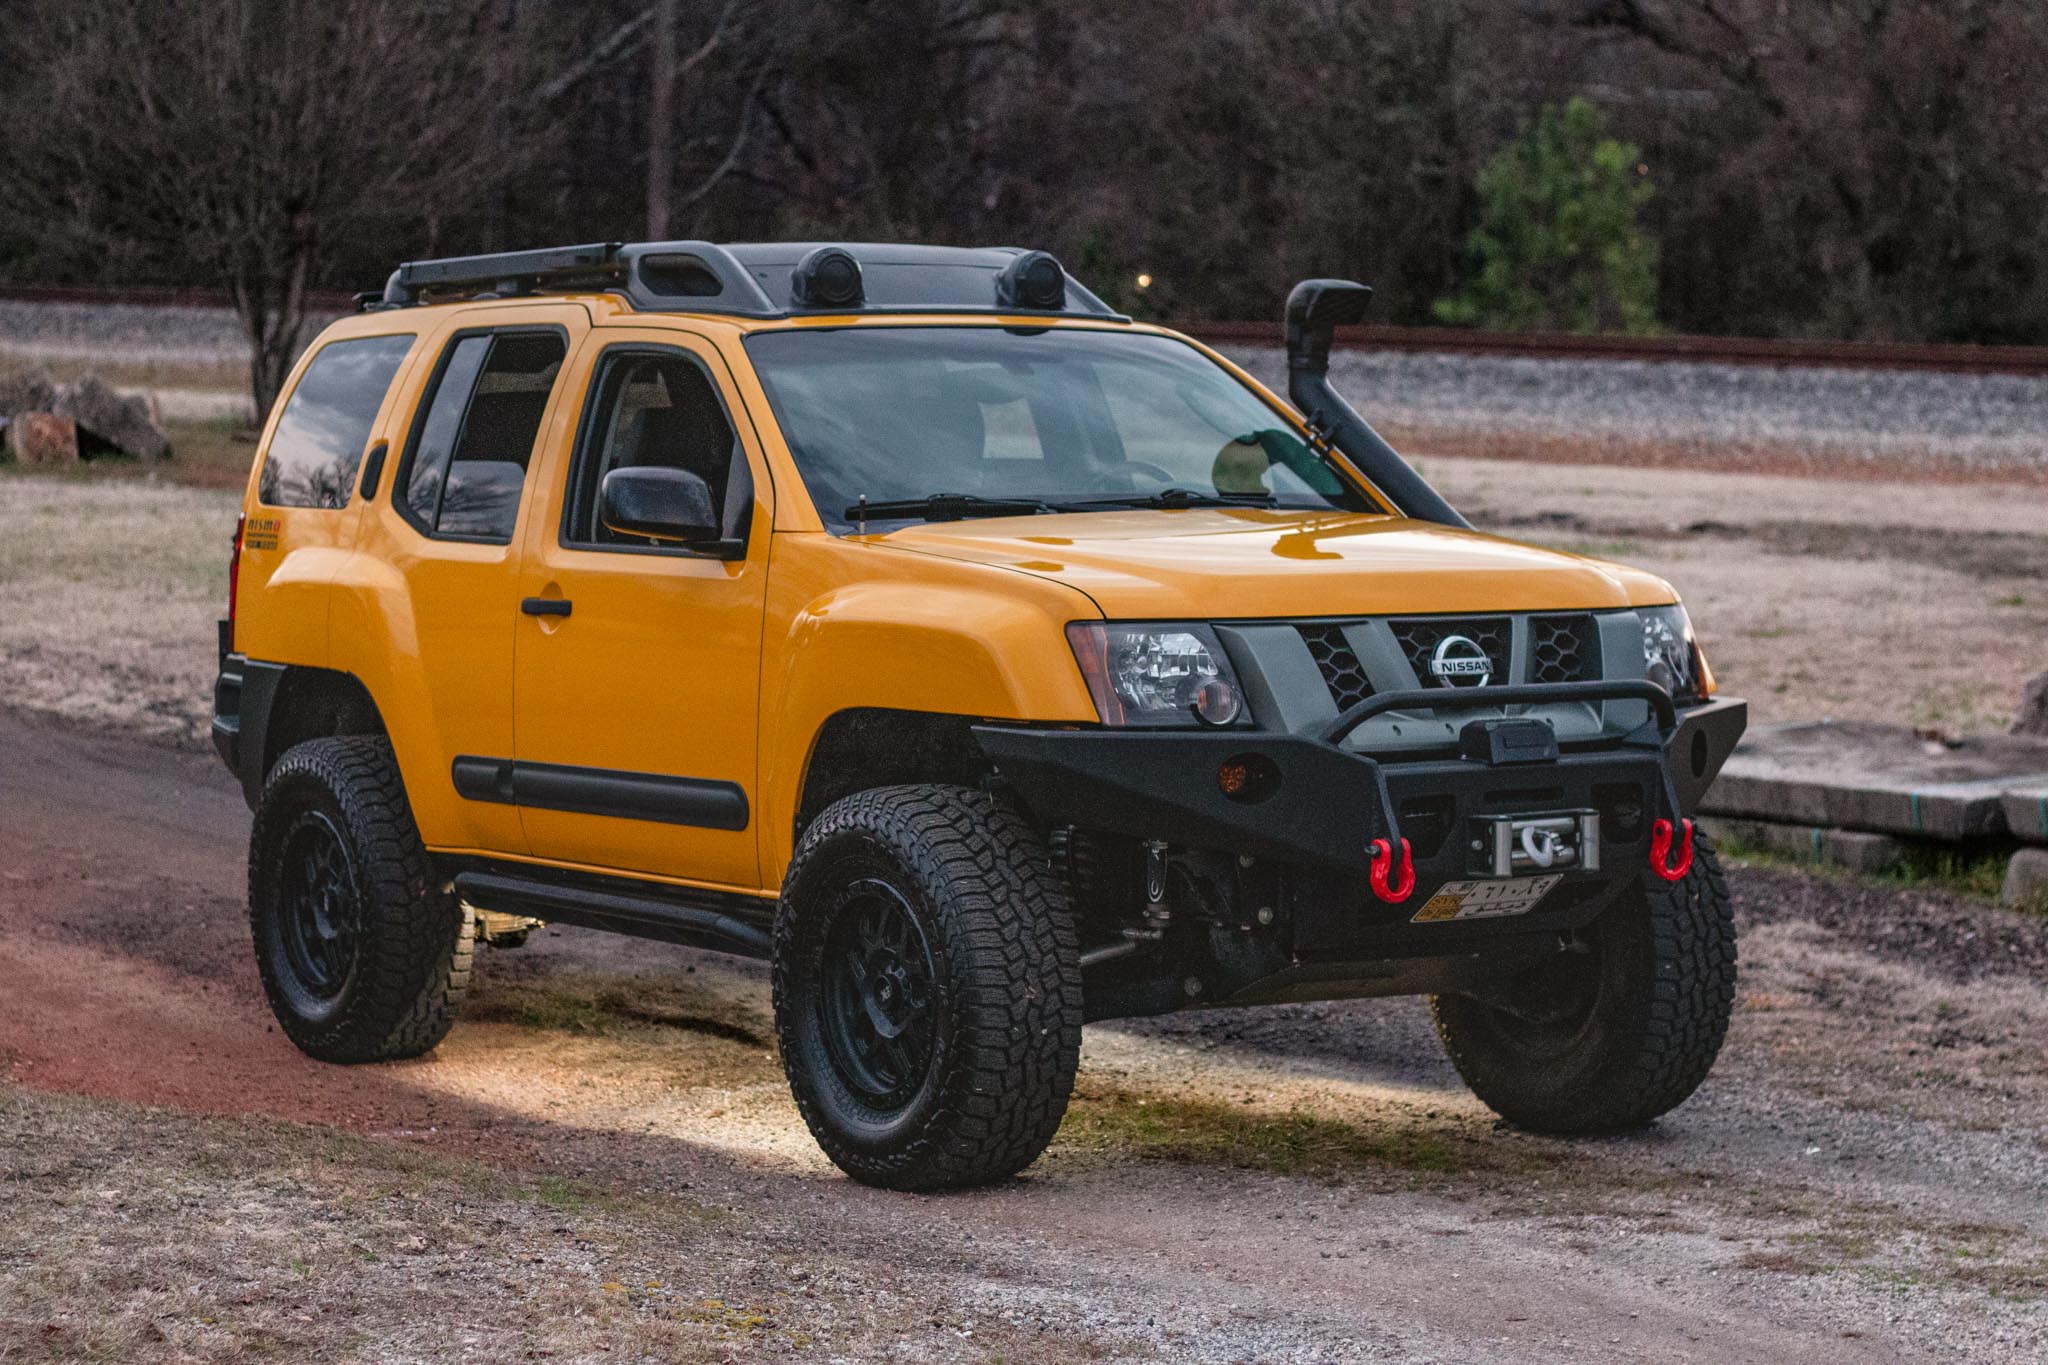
<point x="2026" y="813"/>
<point x="1880" y="778"/>
<point x="1852" y="849"/>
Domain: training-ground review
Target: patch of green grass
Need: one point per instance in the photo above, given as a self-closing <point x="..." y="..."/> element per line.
<point x="1617" y="548"/>
<point x="1968" y="872"/>
<point x="1977" y="873"/>
<point x="2010" y="600"/>
<point x="558" y="1193"/>
<point x="1205" y="1132"/>
<point x="563" y="1014"/>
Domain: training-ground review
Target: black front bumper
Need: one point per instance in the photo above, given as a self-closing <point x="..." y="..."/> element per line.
<point x="1329" y="804"/>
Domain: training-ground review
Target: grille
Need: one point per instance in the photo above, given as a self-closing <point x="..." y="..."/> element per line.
<point x="1418" y="640"/>
<point x="1563" y="649"/>
<point x="1338" y="664"/>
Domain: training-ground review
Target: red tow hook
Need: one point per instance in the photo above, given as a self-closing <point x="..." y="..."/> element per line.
<point x="1383" y="866"/>
<point x="1660" y="851"/>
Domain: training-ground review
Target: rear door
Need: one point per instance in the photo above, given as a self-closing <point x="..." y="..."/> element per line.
<point x="458" y="493"/>
<point x="636" y="710"/>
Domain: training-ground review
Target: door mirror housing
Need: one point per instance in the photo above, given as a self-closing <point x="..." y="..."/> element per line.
<point x="662" y="503"/>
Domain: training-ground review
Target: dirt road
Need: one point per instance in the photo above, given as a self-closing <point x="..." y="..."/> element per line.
<point x="602" y="1162"/>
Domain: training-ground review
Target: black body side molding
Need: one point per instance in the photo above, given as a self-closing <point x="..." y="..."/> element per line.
<point x="1315" y="309"/>
<point x="696" y="801"/>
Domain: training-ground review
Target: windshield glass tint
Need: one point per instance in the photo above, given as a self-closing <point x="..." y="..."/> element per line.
<point x="1078" y="419"/>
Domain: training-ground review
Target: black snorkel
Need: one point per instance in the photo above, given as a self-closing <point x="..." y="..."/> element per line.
<point x="1315" y="309"/>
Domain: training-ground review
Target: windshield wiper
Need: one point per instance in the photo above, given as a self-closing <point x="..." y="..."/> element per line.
<point x="943" y="507"/>
<point x="1173" y="497"/>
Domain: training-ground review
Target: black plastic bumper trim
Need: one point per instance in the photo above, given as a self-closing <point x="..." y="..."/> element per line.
<point x="242" y="697"/>
<point x="703" y="803"/>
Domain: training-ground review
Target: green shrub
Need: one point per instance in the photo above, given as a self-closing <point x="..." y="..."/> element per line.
<point x="1558" y="247"/>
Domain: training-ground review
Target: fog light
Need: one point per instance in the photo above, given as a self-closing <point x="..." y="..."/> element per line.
<point x="1217" y="703"/>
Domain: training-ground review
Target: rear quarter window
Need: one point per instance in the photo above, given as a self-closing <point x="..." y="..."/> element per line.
<point x="326" y="422"/>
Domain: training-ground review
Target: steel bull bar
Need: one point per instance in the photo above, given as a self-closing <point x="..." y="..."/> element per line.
<point x="1305" y="798"/>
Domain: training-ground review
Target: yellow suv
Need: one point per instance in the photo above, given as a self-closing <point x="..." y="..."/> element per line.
<point x="988" y="661"/>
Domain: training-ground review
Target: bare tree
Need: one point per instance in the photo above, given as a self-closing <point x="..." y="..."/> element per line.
<point x="1903" y="170"/>
<point x="247" y="134"/>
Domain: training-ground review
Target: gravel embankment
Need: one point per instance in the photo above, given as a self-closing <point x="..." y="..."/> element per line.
<point x="1971" y="424"/>
<point x="124" y="333"/>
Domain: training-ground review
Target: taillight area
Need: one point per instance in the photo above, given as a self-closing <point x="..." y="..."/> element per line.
<point x="235" y="575"/>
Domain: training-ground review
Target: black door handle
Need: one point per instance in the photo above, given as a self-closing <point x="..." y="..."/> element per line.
<point x="546" y="606"/>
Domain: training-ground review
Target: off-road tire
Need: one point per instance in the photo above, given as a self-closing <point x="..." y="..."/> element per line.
<point x="1665" y="988"/>
<point x="396" y="993"/>
<point x="1004" y="996"/>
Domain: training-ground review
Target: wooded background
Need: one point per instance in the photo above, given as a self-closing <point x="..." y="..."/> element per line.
<point x="1821" y="168"/>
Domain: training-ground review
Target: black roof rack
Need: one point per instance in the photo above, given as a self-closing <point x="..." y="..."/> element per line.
<point x="754" y="279"/>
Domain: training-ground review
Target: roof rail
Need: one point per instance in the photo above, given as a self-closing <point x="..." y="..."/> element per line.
<point x="754" y="279"/>
<point x="700" y="276"/>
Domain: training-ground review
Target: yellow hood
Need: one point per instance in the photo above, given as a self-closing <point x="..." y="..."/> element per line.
<point x="1253" y="562"/>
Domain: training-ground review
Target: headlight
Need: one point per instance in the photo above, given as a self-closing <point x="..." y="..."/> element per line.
<point x="1157" y="674"/>
<point x="1671" y="657"/>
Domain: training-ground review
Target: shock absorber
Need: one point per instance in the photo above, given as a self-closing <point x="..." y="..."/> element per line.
<point x="1158" y="910"/>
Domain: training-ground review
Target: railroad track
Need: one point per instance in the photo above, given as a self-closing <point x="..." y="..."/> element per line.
<point x="1842" y="355"/>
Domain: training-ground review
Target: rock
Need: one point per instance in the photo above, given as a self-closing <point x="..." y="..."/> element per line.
<point x="29" y="391"/>
<point x="42" y="438"/>
<point x="2026" y="880"/>
<point x="130" y="425"/>
<point x="2032" y="717"/>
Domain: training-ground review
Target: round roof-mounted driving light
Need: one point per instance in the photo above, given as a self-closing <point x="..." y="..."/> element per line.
<point x="1034" y="280"/>
<point x="828" y="277"/>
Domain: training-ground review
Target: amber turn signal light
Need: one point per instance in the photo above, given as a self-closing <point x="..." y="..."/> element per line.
<point x="1247" y="777"/>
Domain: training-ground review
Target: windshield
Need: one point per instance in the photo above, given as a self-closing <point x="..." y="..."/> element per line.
<point x="988" y="420"/>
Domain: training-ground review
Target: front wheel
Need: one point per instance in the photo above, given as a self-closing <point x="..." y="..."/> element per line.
<point x="1617" y="1030"/>
<point x="927" y="988"/>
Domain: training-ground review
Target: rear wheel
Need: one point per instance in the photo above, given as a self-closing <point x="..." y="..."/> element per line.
<point x="363" y="956"/>
<point x="927" y="988"/>
<point x="1617" y="1031"/>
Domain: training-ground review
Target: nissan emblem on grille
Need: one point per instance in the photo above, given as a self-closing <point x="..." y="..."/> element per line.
<point x="1460" y="662"/>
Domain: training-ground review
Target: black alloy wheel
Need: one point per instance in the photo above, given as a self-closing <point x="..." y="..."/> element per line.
<point x="320" y="918"/>
<point x="876" y="1013"/>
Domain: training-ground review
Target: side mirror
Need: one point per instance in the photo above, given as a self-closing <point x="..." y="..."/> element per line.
<point x="660" y="503"/>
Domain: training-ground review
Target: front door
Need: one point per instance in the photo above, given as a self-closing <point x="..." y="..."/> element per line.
<point x="636" y="678"/>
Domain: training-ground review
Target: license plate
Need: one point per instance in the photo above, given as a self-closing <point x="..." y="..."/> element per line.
<point x="1489" y="899"/>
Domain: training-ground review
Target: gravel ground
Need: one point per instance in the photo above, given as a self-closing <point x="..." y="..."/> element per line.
<point x="602" y="1162"/>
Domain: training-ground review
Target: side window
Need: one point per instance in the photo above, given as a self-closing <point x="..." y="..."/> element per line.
<point x="655" y="408"/>
<point x="326" y="422"/>
<point x="466" y="466"/>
